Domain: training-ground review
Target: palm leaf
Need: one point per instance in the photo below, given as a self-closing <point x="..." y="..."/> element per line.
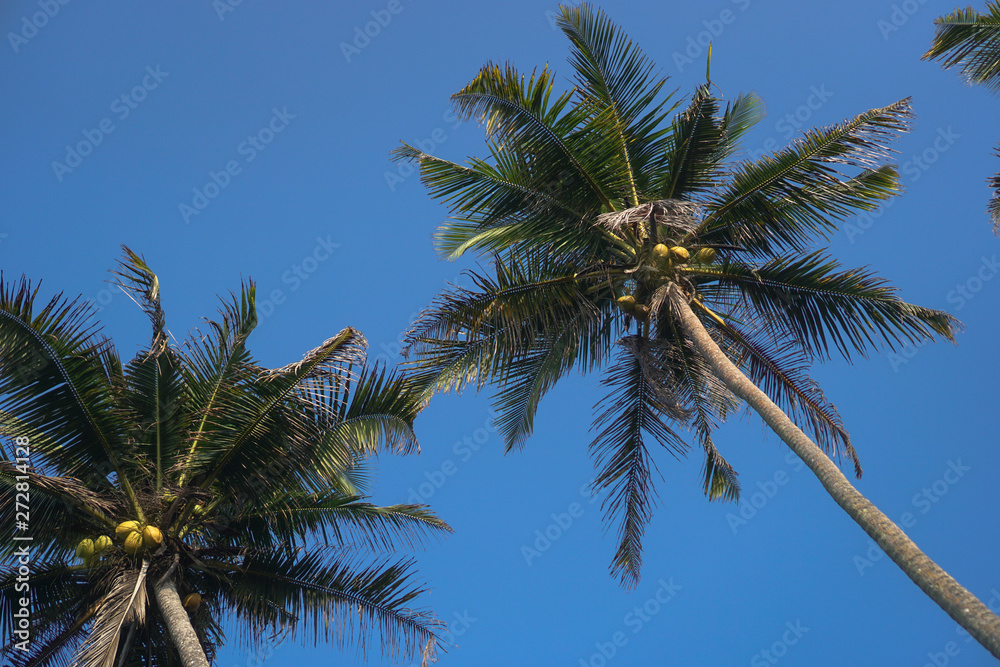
<point x="124" y="603"/>
<point x="970" y="40"/>
<point x="633" y="407"/>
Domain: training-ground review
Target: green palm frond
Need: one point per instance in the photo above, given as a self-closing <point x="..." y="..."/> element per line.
<point x="327" y="597"/>
<point x="518" y="111"/>
<point x="617" y="89"/>
<point x="217" y="366"/>
<point x="633" y="407"/>
<point x="821" y="306"/>
<point x="970" y="40"/>
<point x="252" y="439"/>
<point x="338" y="519"/>
<point x="797" y="196"/>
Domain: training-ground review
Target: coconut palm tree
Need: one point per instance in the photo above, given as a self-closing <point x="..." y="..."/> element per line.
<point x="970" y="40"/>
<point x="625" y="238"/>
<point x="191" y="493"/>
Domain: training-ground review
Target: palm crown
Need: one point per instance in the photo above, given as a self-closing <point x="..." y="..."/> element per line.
<point x="249" y="479"/>
<point x="599" y="210"/>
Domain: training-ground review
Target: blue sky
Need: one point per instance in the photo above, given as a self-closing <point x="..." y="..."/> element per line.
<point x="226" y="139"/>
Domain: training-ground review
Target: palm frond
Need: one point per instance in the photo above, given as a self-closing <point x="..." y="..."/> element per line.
<point x="519" y="111"/>
<point x="970" y="40"/>
<point x="791" y="199"/>
<point x="124" y="603"/>
<point x="617" y="89"/>
<point x="854" y="310"/>
<point x="633" y="407"/>
<point x="334" y="599"/>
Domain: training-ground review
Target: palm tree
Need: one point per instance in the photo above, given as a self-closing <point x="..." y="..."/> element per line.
<point x="970" y="40"/>
<point x="243" y="486"/>
<point x="611" y="226"/>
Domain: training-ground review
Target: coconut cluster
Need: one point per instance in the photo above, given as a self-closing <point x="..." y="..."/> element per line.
<point x="134" y="538"/>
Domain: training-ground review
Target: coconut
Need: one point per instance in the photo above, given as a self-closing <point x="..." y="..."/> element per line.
<point x="680" y="254"/>
<point x="191" y="602"/>
<point x="626" y="303"/>
<point x="705" y="256"/>
<point x="133" y="543"/>
<point x="152" y="537"/>
<point x="641" y="312"/>
<point x="661" y="252"/>
<point x="126" y="527"/>
<point x="85" y="549"/>
<point x="102" y="544"/>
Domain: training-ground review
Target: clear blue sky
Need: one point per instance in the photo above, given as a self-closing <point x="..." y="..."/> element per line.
<point x="306" y="209"/>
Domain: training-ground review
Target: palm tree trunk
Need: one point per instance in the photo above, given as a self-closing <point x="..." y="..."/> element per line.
<point x="178" y="625"/>
<point x="951" y="596"/>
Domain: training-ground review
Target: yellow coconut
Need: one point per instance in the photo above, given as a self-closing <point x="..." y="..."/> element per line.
<point x="102" y="544"/>
<point x="191" y="602"/>
<point x="641" y="312"/>
<point x="133" y="543"/>
<point x="680" y="254"/>
<point x="661" y="252"/>
<point x="626" y="303"/>
<point x="126" y="527"/>
<point x="152" y="537"/>
<point x="85" y="549"/>
<point x="705" y="256"/>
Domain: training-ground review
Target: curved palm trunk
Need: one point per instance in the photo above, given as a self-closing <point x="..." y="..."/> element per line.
<point x="178" y="625"/>
<point x="951" y="596"/>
